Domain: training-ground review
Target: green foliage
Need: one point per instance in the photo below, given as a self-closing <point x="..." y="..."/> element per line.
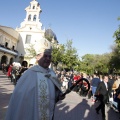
<point x="66" y="55"/>
<point x="117" y="37"/>
<point x="91" y="63"/>
<point x="70" y="57"/>
<point x="57" y="54"/>
<point x="115" y="59"/>
<point x="30" y="51"/>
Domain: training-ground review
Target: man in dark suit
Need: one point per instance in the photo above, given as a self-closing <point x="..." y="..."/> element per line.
<point x="103" y="91"/>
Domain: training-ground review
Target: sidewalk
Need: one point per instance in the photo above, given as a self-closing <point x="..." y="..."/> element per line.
<point x="73" y="107"/>
<point x="6" y="88"/>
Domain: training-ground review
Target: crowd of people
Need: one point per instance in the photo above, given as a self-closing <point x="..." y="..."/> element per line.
<point x="14" y="71"/>
<point x="104" y="88"/>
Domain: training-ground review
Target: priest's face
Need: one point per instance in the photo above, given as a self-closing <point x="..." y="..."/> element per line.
<point x="44" y="59"/>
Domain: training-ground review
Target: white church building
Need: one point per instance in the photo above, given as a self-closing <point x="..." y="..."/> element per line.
<point x="14" y="42"/>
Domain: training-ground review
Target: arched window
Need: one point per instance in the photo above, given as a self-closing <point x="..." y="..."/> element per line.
<point x="6" y="44"/>
<point x="34" y="18"/>
<point x="13" y="47"/>
<point x="4" y="59"/>
<point x="29" y="18"/>
<point x="11" y="61"/>
<point x="33" y="7"/>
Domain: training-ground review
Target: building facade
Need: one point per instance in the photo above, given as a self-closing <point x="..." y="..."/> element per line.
<point x="8" y="45"/>
<point x="29" y="33"/>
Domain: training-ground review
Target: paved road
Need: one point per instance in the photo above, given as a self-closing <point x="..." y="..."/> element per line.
<point x="73" y="107"/>
<point x="6" y="89"/>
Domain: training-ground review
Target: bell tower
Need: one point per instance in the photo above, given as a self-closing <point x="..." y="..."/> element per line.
<point x="30" y="30"/>
<point x="32" y="20"/>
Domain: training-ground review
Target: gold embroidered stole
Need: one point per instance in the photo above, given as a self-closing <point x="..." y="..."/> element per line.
<point x="43" y="97"/>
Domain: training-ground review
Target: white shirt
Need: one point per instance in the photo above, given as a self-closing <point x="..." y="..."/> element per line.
<point x="106" y="85"/>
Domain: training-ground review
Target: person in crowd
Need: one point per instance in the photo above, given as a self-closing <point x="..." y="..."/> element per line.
<point x="116" y="101"/>
<point x="100" y="77"/>
<point x="113" y="84"/>
<point x="65" y="82"/>
<point x="75" y="79"/>
<point x="104" y="92"/>
<point x="9" y="71"/>
<point x="22" y="70"/>
<point x="37" y="90"/>
<point x="94" y="83"/>
<point x="90" y="91"/>
<point x="71" y="75"/>
<point x="118" y="80"/>
<point x="4" y="68"/>
<point x="81" y="91"/>
<point x="70" y="78"/>
<point x="111" y="80"/>
<point x="15" y="72"/>
<point x="59" y="74"/>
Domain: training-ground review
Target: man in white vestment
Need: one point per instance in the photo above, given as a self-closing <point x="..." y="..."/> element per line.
<point x="37" y="90"/>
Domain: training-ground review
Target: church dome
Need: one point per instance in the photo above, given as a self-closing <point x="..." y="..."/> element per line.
<point x="49" y="34"/>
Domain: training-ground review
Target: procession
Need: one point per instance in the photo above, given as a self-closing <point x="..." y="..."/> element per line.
<point x="78" y="95"/>
<point x="61" y="62"/>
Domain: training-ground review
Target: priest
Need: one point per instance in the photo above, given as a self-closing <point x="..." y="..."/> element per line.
<point x="37" y="90"/>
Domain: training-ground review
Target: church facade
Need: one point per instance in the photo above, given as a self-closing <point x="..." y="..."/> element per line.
<point x="14" y="43"/>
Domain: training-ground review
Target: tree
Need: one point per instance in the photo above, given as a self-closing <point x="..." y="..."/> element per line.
<point x="57" y="53"/>
<point x="117" y="35"/>
<point x="30" y="51"/>
<point x="95" y="63"/>
<point x="115" y="59"/>
<point x="88" y="63"/>
<point x="70" y="57"/>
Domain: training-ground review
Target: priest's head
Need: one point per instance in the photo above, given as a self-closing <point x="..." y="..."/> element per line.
<point x="44" y="53"/>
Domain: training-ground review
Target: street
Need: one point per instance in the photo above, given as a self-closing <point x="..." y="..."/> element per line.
<point x="73" y="107"/>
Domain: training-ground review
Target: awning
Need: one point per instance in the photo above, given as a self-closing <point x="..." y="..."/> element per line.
<point x="8" y="51"/>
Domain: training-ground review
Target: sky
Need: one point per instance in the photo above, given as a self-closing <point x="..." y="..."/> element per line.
<point x="90" y="24"/>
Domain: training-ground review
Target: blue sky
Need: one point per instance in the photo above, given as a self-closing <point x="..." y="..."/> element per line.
<point x="89" y="23"/>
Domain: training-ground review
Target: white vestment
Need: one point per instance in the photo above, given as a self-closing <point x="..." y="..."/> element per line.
<point x="34" y="96"/>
